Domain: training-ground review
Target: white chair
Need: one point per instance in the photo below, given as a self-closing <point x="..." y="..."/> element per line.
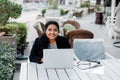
<point x="90" y="49"/>
<point x="113" y="25"/>
<point x="109" y="26"/>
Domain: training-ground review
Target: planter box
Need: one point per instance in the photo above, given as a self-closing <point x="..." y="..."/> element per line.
<point x="10" y="38"/>
<point x="2" y="33"/>
<point x="99" y="18"/>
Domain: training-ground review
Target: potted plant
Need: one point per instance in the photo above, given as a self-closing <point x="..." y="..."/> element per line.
<point x="85" y="7"/>
<point x="99" y="8"/>
<point x="20" y="30"/>
<point x="7" y="64"/>
<point x="8" y="10"/>
<point x="63" y="12"/>
<point x="43" y="11"/>
<point x="99" y="14"/>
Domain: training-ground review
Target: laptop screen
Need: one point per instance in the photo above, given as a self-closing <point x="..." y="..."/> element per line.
<point x="58" y="58"/>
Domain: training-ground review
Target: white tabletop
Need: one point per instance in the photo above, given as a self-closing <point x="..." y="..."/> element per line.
<point x="33" y="71"/>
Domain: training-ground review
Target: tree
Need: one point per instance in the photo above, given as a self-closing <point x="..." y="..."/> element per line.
<point x="9" y="9"/>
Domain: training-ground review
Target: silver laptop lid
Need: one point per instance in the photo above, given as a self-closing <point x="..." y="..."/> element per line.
<point x="89" y="49"/>
<point x="58" y="58"/>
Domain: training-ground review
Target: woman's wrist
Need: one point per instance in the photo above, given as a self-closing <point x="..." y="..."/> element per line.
<point x="41" y="60"/>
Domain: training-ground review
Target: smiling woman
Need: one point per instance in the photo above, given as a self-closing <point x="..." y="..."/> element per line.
<point x="48" y="40"/>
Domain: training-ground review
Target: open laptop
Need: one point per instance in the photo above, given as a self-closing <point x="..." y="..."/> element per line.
<point x="89" y="49"/>
<point x="58" y="58"/>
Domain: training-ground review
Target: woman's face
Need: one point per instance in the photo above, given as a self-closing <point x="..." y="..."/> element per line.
<point x="52" y="32"/>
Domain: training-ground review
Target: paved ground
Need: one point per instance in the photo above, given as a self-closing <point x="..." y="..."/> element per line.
<point x="86" y="22"/>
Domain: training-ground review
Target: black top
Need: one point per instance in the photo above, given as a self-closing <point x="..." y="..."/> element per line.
<point x="42" y="43"/>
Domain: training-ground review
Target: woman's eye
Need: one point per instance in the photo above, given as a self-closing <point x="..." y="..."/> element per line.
<point x="49" y="29"/>
<point x="55" y="30"/>
<point x="52" y="30"/>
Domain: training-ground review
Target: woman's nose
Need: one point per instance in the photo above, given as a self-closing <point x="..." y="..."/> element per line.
<point x="52" y="31"/>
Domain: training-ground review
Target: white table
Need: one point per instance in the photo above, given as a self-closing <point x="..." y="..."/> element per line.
<point x="33" y="71"/>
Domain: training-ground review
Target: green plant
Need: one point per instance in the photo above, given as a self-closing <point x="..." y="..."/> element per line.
<point x="43" y="11"/>
<point x="19" y="29"/>
<point x="7" y="64"/>
<point x="62" y="12"/>
<point x="85" y="4"/>
<point x="8" y="10"/>
<point x="52" y="4"/>
<point x="99" y="8"/>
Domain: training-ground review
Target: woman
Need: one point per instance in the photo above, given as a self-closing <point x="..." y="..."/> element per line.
<point x="49" y="40"/>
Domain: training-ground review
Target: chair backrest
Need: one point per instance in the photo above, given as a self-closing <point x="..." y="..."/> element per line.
<point x="74" y="23"/>
<point x="78" y="14"/>
<point x="40" y="28"/>
<point x="89" y="49"/>
<point x="79" y="34"/>
<point x="90" y="9"/>
<point x="113" y="26"/>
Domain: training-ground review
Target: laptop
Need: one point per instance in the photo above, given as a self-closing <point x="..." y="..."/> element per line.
<point x="89" y="49"/>
<point x="58" y="58"/>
